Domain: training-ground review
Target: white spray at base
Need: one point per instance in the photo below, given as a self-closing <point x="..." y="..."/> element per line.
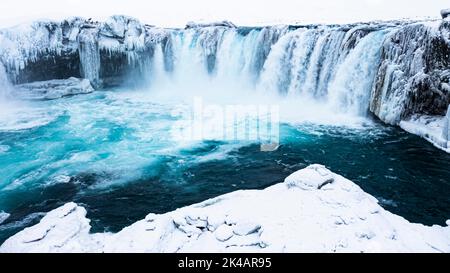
<point x="322" y="75"/>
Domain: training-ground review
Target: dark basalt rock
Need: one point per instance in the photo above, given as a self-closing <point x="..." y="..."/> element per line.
<point x="50" y="66"/>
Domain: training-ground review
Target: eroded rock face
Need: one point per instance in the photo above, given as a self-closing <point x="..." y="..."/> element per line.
<point x="104" y="53"/>
<point x="414" y="73"/>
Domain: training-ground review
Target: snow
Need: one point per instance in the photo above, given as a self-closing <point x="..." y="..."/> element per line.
<point x="435" y="129"/>
<point x="312" y="178"/>
<point x="300" y="215"/>
<point x="3" y="216"/>
<point x="192" y="24"/>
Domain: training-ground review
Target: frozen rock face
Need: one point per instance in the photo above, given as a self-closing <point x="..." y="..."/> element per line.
<point x="105" y="53"/>
<point x="41" y="51"/>
<point x="54" y="89"/>
<point x="414" y="74"/>
<point x="310" y="212"/>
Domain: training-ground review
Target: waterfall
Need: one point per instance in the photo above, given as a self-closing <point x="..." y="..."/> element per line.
<point x="390" y="69"/>
<point x="89" y="56"/>
<point x="333" y="66"/>
<point x="5" y="86"/>
<point x="352" y="83"/>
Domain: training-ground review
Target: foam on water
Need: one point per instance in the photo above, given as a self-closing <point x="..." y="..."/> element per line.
<point x="111" y="146"/>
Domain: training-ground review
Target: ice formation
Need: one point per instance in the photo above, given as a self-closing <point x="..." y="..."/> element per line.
<point x="397" y="70"/>
<point x="54" y="89"/>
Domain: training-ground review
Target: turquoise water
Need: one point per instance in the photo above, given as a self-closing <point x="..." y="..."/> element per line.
<point x="114" y="154"/>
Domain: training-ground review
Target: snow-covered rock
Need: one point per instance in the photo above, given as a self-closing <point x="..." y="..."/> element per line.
<point x="3" y="216"/>
<point x="54" y="89"/>
<point x="338" y="217"/>
<point x="435" y="129"/>
<point x="77" y="47"/>
<point x="445" y="13"/>
<point x="312" y="178"/>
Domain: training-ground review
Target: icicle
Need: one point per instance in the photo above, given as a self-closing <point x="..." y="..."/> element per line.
<point x="90" y="56"/>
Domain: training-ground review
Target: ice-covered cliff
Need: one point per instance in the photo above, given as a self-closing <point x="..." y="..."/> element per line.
<point x="414" y="73"/>
<point x="397" y="70"/>
<point x="314" y="210"/>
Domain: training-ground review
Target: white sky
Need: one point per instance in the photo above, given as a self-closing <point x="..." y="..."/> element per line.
<point x="176" y="13"/>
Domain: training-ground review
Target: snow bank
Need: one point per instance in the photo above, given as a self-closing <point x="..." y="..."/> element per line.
<point x="435" y="129"/>
<point x="304" y="214"/>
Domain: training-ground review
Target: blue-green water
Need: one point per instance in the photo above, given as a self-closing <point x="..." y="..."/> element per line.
<point x="113" y="154"/>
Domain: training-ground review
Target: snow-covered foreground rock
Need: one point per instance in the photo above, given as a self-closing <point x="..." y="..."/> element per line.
<point x="314" y="210"/>
<point x="435" y="129"/>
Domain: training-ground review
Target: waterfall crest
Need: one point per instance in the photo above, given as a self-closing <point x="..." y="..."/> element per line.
<point x="392" y="69"/>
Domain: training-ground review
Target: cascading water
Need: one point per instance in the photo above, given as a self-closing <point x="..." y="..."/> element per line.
<point x="89" y="56"/>
<point x="332" y="67"/>
<point x="112" y="149"/>
<point x="351" y="86"/>
<point x="5" y="85"/>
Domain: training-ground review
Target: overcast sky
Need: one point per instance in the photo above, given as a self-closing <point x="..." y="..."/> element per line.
<point x="242" y="12"/>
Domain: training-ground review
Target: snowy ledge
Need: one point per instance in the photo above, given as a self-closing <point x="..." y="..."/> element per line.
<point x="314" y="210"/>
<point x="435" y="129"/>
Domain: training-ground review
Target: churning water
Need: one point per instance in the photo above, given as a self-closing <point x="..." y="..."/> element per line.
<point x="112" y="151"/>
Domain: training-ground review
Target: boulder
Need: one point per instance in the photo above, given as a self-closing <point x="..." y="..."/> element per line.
<point x="54" y="89"/>
<point x="311" y="178"/>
